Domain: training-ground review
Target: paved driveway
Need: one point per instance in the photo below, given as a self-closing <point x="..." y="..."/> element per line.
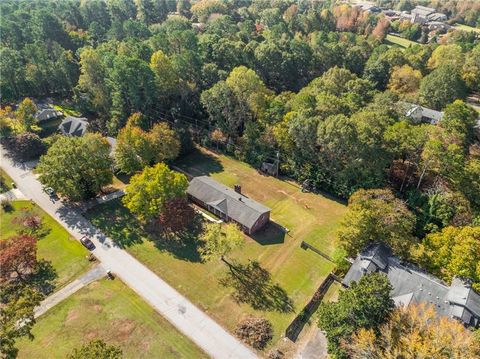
<point x="184" y="315"/>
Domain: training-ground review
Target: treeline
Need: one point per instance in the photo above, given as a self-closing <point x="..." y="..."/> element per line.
<point x="311" y="81"/>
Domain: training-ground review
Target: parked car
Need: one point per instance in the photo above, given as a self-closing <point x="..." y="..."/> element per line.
<point x="50" y="191"/>
<point x="87" y="243"/>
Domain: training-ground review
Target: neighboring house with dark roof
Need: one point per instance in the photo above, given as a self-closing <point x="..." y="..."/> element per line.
<point x="73" y="126"/>
<point x="411" y="284"/>
<point x="422" y="114"/>
<point x="228" y="204"/>
<point x="44" y="114"/>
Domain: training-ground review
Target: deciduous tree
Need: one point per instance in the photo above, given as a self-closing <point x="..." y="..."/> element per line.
<point x="376" y="215"/>
<point x="18" y="258"/>
<point x="414" y="331"/>
<point x="149" y="190"/>
<point x="96" y="349"/>
<point x="220" y="240"/>
<point x="366" y="304"/>
<point x="77" y="167"/>
<point x="176" y="215"/>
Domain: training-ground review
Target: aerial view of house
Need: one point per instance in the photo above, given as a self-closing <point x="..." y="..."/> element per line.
<point x="276" y="179"/>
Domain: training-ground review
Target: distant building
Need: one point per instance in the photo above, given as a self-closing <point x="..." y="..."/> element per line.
<point x="437" y="25"/>
<point x="73" y="126"/>
<point x="422" y="114"/>
<point x="412" y="285"/>
<point x="228" y="204"/>
<point x="423" y="11"/>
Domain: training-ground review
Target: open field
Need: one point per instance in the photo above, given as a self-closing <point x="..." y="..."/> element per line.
<point x="66" y="255"/>
<point x="466" y="28"/>
<point x="6" y="184"/>
<point x="111" y="311"/>
<point x="309" y="217"/>
<point x="400" y="41"/>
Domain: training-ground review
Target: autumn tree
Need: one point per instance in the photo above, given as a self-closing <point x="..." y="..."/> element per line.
<point x="366" y="304"/>
<point x="149" y="191"/>
<point x="446" y="55"/>
<point x="376" y="215"/>
<point x="18" y="258"/>
<point x="77" y="167"/>
<point x="96" y="349"/>
<point x="26" y="146"/>
<point x="404" y="80"/>
<point x="220" y="240"/>
<point x="455" y="251"/>
<point x="137" y="148"/>
<point x="414" y="331"/>
<point x="176" y="215"/>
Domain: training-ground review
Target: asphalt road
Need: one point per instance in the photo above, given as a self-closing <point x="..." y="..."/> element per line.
<point x="183" y="314"/>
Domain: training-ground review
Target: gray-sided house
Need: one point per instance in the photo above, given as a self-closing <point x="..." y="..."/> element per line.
<point x="228" y="204"/>
<point x="73" y="126"/>
<point x="422" y="114"/>
<point x="411" y="284"/>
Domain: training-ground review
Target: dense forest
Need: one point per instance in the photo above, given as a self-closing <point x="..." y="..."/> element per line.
<point x="312" y="82"/>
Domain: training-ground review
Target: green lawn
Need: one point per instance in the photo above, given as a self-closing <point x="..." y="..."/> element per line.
<point x="67" y="110"/>
<point x="106" y="310"/>
<point x="308" y="217"/>
<point x="400" y="41"/>
<point x="6" y="181"/>
<point x="466" y="28"/>
<point x="66" y="255"/>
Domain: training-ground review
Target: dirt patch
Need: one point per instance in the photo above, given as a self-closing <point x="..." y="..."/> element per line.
<point x="97" y="308"/>
<point x="123" y="328"/>
<point x="91" y="335"/>
<point x="72" y="315"/>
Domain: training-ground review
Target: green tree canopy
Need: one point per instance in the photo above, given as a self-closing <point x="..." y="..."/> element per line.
<point x="96" y="349"/>
<point x="220" y="240"/>
<point x="376" y="215"/>
<point x="77" y="167"/>
<point x="366" y="304"/>
<point x="148" y="191"/>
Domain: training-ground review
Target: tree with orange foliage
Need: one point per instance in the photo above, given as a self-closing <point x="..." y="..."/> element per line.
<point x="18" y="258"/>
<point x="415" y="332"/>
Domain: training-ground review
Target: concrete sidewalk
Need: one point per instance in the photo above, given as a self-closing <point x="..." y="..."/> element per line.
<point x="96" y="273"/>
<point x="184" y="315"/>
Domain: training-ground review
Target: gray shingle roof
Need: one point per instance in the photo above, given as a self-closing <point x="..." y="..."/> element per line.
<point x="236" y="206"/>
<point x="73" y="126"/>
<point x="47" y="113"/>
<point x="411" y="284"/>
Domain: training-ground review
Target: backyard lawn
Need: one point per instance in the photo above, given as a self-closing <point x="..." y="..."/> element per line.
<point x="106" y="310"/>
<point x="400" y="41"/>
<point x="298" y="273"/>
<point x="66" y="255"/>
<point x="5" y="181"/>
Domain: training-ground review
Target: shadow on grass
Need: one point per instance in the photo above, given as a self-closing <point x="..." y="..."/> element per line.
<point x="198" y="163"/>
<point x="272" y="233"/>
<point x="253" y="285"/>
<point x="183" y="245"/>
<point x="43" y="277"/>
<point x="117" y="222"/>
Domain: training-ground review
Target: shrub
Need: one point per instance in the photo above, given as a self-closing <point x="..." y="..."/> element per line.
<point x="26" y="146"/>
<point x="256" y="332"/>
<point x="6" y="205"/>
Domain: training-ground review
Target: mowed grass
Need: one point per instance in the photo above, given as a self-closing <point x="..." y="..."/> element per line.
<point x="308" y="217"/>
<point x="66" y="254"/>
<point x="6" y="184"/>
<point x="111" y="311"/>
<point x="467" y="28"/>
<point x="400" y="41"/>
